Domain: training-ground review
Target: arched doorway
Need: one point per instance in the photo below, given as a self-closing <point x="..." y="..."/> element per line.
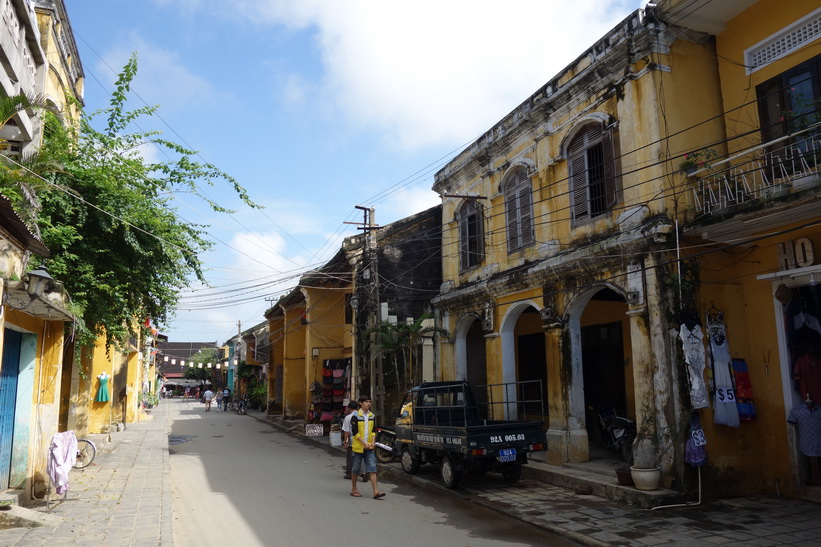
<point x="605" y="354"/>
<point x="471" y="354"/>
<point x="524" y="359"/>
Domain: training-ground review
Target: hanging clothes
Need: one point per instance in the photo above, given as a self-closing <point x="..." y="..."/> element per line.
<point x="692" y="342"/>
<point x="807" y="373"/>
<point x="694" y="453"/>
<point x="743" y="391"/>
<point x="724" y="400"/>
<point x="807" y="418"/>
<point x="62" y="455"/>
<point x="102" y="391"/>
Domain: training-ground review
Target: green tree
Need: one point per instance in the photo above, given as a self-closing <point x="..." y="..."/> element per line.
<point x="20" y="176"/>
<point x="400" y="343"/>
<point x="109" y="219"/>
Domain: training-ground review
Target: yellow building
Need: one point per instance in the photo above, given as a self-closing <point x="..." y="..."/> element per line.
<point x="752" y="231"/>
<point x="310" y="331"/>
<point x="573" y="242"/>
<point x="34" y="305"/>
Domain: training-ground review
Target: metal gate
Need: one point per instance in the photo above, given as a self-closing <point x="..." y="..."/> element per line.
<point x="9" y="370"/>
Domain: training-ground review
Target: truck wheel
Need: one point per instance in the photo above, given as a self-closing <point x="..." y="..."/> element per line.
<point x="512" y="472"/>
<point x="450" y="474"/>
<point x="409" y="464"/>
<point x="382" y="455"/>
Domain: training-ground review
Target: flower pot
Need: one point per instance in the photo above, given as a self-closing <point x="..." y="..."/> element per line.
<point x="624" y="477"/>
<point x="646" y="479"/>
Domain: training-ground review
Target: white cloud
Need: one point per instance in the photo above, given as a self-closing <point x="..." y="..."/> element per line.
<point x="432" y="73"/>
<point x="409" y="202"/>
<point x="162" y="76"/>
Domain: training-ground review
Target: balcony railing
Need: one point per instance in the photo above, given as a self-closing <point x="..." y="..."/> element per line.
<point x="765" y="173"/>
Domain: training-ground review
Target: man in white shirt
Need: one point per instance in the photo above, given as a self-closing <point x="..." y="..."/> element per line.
<point x="208" y="395"/>
<point x="353" y="406"/>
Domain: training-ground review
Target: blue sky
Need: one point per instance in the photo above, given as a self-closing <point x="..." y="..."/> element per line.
<point x="316" y="106"/>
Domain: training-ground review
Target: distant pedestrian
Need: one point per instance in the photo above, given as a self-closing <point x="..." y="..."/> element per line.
<point x="162" y="392"/>
<point x="219" y="399"/>
<point x="207" y="396"/>
<point x="226" y="398"/>
<point x="363" y="429"/>
<point x="346" y="436"/>
<point x="187" y="392"/>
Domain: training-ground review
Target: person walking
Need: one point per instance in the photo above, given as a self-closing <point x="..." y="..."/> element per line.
<point x="219" y="399"/>
<point x="226" y="398"/>
<point x="363" y="427"/>
<point x="346" y="436"/>
<point x="207" y="396"/>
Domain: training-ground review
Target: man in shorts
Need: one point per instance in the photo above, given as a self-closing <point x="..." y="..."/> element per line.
<point x="363" y="437"/>
<point x="353" y="406"/>
<point x="207" y="396"/>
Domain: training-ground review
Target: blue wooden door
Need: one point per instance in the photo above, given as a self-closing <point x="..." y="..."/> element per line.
<point x="9" y="369"/>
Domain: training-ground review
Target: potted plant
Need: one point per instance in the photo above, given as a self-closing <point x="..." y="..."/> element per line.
<point x="149" y="400"/>
<point x="257" y="396"/>
<point x="649" y="448"/>
<point x="699" y="159"/>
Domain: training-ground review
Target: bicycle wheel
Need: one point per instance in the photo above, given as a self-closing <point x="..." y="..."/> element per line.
<point x="85" y="453"/>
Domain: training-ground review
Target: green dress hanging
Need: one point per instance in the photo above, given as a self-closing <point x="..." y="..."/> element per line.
<point x="102" y="392"/>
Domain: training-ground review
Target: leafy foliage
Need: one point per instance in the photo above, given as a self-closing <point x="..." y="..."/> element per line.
<point x="400" y="342"/>
<point x="109" y="220"/>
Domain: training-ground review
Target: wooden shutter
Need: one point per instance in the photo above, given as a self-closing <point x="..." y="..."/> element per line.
<point x="464" y="237"/>
<point x="525" y="212"/>
<point x="578" y="185"/>
<point x="512" y="208"/>
<point x="610" y="175"/>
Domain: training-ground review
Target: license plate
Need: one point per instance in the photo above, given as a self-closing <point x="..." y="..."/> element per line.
<point x="507" y="455"/>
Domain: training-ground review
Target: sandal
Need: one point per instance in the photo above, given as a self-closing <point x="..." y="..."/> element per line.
<point x="356" y="494"/>
<point x="378" y="495"/>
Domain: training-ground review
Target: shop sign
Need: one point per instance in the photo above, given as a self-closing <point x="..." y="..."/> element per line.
<point x="794" y="254"/>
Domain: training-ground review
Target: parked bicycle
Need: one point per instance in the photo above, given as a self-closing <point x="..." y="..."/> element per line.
<point x="86" y="451"/>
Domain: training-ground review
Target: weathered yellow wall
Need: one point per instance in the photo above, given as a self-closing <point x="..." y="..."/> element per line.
<point x="728" y="283"/>
<point x="275" y="329"/>
<point x="738" y="88"/>
<point x="96" y="361"/>
<point x="295" y="389"/>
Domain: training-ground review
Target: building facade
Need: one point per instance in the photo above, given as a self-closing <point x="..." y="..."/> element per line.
<point x="575" y="246"/>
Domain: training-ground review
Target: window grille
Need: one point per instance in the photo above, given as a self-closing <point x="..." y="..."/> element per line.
<point x="795" y="36"/>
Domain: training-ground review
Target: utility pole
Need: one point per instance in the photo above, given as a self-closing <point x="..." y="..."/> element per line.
<point x="371" y="273"/>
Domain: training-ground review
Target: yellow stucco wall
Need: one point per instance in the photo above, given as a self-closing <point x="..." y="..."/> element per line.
<point x="295" y="389"/>
<point x="95" y="361"/>
<point x="763" y="19"/>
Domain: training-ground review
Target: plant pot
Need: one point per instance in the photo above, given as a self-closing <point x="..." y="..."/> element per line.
<point x="624" y="477"/>
<point x="646" y="479"/>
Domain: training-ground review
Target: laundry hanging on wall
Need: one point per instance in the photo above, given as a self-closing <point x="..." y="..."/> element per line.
<point x="724" y="399"/>
<point x="692" y="342"/>
<point x="743" y="391"/>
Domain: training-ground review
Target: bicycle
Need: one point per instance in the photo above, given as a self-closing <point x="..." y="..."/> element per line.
<point x="86" y="451"/>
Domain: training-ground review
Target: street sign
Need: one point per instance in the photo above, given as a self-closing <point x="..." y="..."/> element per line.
<point x="314" y="430"/>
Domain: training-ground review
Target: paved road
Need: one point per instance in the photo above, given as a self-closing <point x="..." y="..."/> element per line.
<point x="234" y="477"/>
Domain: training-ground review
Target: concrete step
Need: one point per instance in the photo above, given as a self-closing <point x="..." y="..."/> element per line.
<point x="595" y="480"/>
<point x="11" y="497"/>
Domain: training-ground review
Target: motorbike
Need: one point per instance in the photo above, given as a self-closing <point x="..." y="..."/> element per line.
<point x="617" y="431"/>
<point x="242" y="405"/>
<point x="384" y="445"/>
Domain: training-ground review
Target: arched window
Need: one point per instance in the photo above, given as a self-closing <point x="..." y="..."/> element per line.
<point x="471" y="234"/>
<point x="593" y="184"/>
<point x="519" y="210"/>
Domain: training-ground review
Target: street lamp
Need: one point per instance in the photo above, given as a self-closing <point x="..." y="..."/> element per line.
<point x="38" y="281"/>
